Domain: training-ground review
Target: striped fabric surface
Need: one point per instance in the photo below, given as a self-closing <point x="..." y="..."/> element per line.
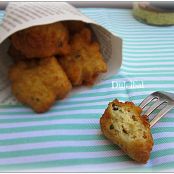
<point x="68" y="138"/>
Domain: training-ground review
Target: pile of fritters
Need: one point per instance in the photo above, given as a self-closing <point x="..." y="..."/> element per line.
<point x="50" y="59"/>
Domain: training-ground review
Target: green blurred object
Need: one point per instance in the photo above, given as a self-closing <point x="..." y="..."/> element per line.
<point x="154" y="13"/>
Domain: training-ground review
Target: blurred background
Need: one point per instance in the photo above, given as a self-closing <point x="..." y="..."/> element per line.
<point x="110" y="4"/>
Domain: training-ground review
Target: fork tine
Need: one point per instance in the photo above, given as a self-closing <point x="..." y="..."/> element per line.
<point x="153" y="107"/>
<point x="161" y="114"/>
<point x="146" y="101"/>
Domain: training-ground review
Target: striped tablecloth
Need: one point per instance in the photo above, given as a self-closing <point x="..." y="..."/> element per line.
<point x="68" y="138"/>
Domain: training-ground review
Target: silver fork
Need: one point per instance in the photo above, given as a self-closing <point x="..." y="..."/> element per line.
<point x="161" y="98"/>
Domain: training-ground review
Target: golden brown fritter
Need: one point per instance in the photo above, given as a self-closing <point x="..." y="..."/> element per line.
<point x="42" y="41"/>
<point x="38" y="83"/>
<point x="123" y="124"/>
<point x="85" y="62"/>
<point x="15" y="54"/>
<point x="74" y="26"/>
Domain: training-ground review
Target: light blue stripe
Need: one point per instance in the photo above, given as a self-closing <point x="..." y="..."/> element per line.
<point x="129" y="60"/>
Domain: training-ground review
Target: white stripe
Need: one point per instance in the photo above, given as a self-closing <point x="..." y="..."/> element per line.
<point x="107" y="167"/>
<point x="140" y="64"/>
<point x="144" y="39"/>
<point x="84" y="104"/>
<point x="146" y="54"/>
<point x="122" y="90"/>
<point x="140" y="93"/>
<point x="71" y="106"/>
<point x="69" y="155"/>
<point x="44" y="133"/>
<point x="163" y="159"/>
<point x="130" y="25"/>
<point x="117" y="95"/>
<point x="110" y="89"/>
<point x="170" y="170"/>
<point x="148" y="78"/>
<point x="29" y="146"/>
<point x="147" y="59"/>
<point x="107" y="82"/>
<point x="163" y="124"/>
<point x="146" y="33"/>
<point x="140" y="69"/>
<point x="113" y="167"/>
<point x="143" y="30"/>
<point x="59" y="156"/>
<point x="146" y="73"/>
<point x="104" y="167"/>
<point x="131" y="93"/>
<point x="51" y="122"/>
<point x="33" y="115"/>
<point x="31" y="133"/>
<point x="128" y="79"/>
<point x="144" y="51"/>
<point x="97" y="97"/>
<point x="163" y="146"/>
<point x="146" y="46"/>
<point x="21" y="147"/>
<point x="120" y="95"/>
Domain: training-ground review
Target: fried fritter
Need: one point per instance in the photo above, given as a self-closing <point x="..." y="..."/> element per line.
<point x="38" y="83"/>
<point x="85" y="62"/>
<point x="74" y="26"/>
<point x="42" y="41"/>
<point x="15" y="54"/>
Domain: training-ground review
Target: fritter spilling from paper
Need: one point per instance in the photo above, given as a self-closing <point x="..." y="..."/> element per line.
<point x="50" y="59"/>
